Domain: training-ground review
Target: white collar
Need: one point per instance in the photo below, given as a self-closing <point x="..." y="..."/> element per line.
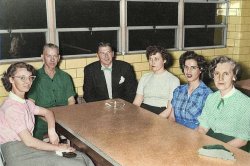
<point x="16" y="98"/>
<point x="230" y="93"/>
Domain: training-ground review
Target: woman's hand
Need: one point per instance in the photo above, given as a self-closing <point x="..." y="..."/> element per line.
<point x="138" y="100"/>
<point x="237" y="142"/>
<point x="53" y="137"/>
<point x="202" y="130"/>
<point x="66" y="147"/>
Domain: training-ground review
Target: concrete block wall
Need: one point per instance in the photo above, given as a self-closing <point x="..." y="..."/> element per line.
<point x="238" y="48"/>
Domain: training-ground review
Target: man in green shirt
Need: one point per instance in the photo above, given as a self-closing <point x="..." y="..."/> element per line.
<point x="52" y="87"/>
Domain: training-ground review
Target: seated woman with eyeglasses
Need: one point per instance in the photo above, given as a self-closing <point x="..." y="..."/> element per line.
<point x="17" y="120"/>
<point x="189" y="99"/>
<point x="226" y="114"/>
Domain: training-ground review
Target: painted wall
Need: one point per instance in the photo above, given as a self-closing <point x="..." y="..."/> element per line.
<point x="238" y="48"/>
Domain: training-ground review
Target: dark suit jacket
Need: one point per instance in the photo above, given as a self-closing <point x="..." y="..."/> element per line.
<point x="95" y="88"/>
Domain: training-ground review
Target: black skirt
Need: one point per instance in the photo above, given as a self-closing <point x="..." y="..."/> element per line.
<point x="156" y="110"/>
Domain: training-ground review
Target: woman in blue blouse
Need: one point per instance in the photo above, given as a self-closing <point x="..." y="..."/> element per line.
<point x="189" y="99"/>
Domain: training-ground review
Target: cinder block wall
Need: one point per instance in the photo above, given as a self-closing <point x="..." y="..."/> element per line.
<point x="238" y="48"/>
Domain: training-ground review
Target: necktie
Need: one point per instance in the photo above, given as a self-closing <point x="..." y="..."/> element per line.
<point x="106" y="68"/>
<point x="221" y="104"/>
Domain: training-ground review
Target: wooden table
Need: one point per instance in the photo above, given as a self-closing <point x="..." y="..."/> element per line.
<point x="244" y="86"/>
<point x="136" y="137"/>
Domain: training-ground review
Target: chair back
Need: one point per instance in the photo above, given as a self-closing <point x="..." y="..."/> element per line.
<point x="1" y="157"/>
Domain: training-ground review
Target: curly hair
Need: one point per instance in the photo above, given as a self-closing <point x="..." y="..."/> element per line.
<point x="152" y="50"/>
<point x="224" y="59"/>
<point x="201" y="62"/>
<point x="11" y="72"/>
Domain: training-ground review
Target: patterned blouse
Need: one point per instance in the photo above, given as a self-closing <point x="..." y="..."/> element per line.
<point x="188" y="107"/>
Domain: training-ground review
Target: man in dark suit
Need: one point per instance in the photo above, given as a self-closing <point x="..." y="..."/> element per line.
<point x="109" y="78"/>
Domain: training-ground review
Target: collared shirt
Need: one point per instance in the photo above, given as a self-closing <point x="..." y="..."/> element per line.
<point x="108" y="78"/>
<point x="188" y="107"/>
<point x="16" y="115"/>
<point x="233" y="119"/>
<point x="53" y="92"/>
<point x="157" y="89"/>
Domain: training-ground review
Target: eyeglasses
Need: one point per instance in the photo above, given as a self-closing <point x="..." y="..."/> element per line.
<point x="190" y="68"/>
<point x="24" y="78"/>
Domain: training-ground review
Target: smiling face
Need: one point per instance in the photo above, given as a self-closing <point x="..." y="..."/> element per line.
<point x="191" y="70"/>
<point x="21" y="81"/>
<point x="105" y="55"/>
<point x="50" y="58"/>
<point x="156" y="63"/>
<point x="223" y="77"/>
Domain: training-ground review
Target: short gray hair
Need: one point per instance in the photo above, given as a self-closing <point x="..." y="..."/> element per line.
<point x="224" y="59"/>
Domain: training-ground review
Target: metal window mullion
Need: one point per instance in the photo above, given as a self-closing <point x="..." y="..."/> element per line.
<point x="226" y="22"/>
<point x="166" y="27"/>
<point x="205" y="26"/>
<point x="51" y="21"/>
<point x="151" y="27"/>
<point x="105" y="28"/>
<point x="24" y="30"/>
<point x="87" y="29"/>
<point x="153" y="0"/>
<point x="123" y="24"/>
<point x="107" y="0"/>
<point x="4" y="31"/>
<point x="203" y="47"/>
<point x="28" y="30"/>
<point x="180" y="31"/>
<point x="206" y="1"/>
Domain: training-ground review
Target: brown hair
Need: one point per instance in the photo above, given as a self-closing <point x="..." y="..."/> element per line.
<point x="11" y="72"/>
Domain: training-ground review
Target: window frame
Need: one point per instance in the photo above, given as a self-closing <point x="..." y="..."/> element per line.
<point x="175" y="27"/>
<point x="118" y="29"/>
<point x="48" y="36"/>
<point x="224" y="26"/>
<point x="52" y="33"/>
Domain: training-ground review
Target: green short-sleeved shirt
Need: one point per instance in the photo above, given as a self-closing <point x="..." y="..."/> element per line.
<point x="49" y="92"/>
<point x="232" y="119"/>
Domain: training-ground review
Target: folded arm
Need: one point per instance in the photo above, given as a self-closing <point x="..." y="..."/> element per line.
<point x="50" y="118"/>
<point x="32" y="142"/>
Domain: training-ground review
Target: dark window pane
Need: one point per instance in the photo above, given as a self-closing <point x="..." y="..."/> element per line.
<point x="72" y="43"/>
<point x="203" y="37"/>
<point x="152" y="13"/>
<point x="79" y="13"/>
<point x="202" y="14"/>
<point x="23" y="14"/>
<point x="21" y="45"/>
<point x="140" y="39"/>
